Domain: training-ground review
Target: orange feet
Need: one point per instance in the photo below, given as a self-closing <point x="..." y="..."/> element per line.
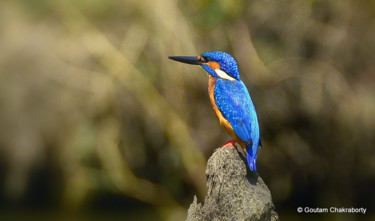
<point x="229" y="144"/>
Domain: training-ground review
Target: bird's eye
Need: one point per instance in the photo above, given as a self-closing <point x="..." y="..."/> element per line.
<point x="204" y="60"/>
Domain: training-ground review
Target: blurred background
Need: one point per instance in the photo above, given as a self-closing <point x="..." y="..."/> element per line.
<point x="97" y="124"/>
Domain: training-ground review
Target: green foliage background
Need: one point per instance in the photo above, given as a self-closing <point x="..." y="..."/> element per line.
<point x="96" y="123"/>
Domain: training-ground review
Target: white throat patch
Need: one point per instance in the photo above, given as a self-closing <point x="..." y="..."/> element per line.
<point x="224" y="75"/>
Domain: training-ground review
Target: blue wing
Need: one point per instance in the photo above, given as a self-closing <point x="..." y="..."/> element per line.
<point x="234" y="102"/>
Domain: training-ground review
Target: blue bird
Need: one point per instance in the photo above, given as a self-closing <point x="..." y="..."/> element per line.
<point x="230" y="101"/>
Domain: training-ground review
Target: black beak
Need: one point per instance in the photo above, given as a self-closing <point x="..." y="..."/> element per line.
<point x="186" y="59"/>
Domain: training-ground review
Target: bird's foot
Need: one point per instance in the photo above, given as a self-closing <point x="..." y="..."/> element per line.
<point x="230" y="143"/>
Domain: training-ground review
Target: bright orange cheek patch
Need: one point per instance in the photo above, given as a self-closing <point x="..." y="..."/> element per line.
<point x="213" y="64"/>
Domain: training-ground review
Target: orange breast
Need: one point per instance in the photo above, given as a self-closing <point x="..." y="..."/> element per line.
<point x="223" y="122"/>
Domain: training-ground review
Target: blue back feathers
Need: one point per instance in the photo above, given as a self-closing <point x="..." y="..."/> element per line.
<point x="234" y="101"/>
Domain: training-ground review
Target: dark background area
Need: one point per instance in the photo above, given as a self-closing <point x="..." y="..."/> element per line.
<point x="97" y="124"/>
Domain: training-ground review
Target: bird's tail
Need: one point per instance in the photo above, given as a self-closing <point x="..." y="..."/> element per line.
<point x="251" y="155"/>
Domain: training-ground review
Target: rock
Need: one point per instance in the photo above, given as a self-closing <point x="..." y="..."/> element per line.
<point x="234" y="193"/>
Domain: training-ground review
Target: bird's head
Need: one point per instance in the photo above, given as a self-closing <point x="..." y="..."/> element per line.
<point x="217" y="63"/>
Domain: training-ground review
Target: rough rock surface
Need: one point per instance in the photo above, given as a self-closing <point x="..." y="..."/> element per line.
<point x="234" y="193"/>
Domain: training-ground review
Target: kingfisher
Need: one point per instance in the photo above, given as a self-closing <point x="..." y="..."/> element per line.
<point x="230" y="101"/>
